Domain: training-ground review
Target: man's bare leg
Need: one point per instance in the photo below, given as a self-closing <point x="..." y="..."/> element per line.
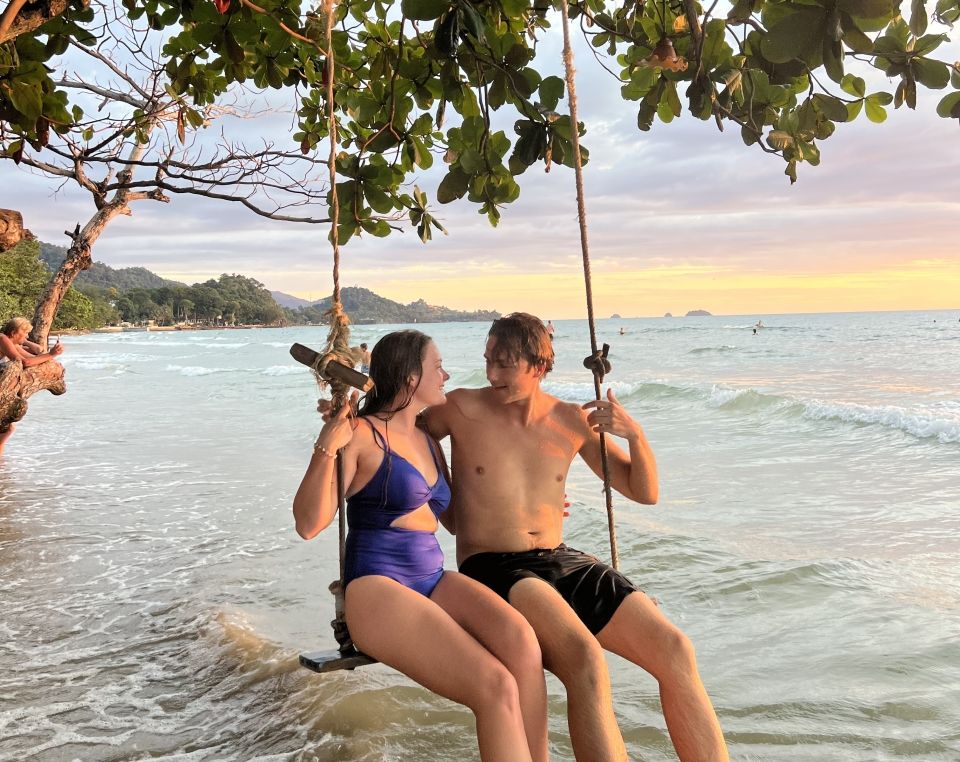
<point x="641" y="633"/>
<point x="572" y="653"/>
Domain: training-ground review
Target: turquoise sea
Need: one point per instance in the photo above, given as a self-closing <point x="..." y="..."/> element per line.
<point x="155" y="595"/>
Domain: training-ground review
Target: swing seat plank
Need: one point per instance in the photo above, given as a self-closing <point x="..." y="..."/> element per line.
<point x="331" y="661"/>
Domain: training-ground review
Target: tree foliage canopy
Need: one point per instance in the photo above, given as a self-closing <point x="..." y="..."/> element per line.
<point x="231" y="299"/>
<point x="22" y="279"/>
<point x="417" y="80"/>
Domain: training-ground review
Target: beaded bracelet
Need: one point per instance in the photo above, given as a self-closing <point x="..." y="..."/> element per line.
<point x="317" y="447"/>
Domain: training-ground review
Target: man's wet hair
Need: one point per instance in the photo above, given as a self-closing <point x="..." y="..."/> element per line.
<point x="521" y="336"/>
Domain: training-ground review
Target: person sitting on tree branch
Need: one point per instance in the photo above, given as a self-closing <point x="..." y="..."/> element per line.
<point x="15" y="347"/>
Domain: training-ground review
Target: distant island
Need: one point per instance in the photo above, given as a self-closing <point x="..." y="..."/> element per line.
<point x="698" y="313"/>
<point x="135" y="295"/>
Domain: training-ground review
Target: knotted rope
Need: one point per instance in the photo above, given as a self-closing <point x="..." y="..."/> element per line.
<point x="338" y="338"/>
<point x="597" y="360"/>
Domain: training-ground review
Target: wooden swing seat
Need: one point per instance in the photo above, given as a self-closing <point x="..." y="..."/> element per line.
<point x="331" y="661"/>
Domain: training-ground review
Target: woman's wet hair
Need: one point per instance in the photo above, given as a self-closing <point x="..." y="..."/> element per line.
<point x="394" y="359"/>
<point x="521" y="336"/>
<point x="15" y="324"/>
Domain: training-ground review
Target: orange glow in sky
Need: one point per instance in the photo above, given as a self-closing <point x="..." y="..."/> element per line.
<point x="910" y="285"/>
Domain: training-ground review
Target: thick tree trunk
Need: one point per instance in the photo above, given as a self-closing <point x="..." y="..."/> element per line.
<point x="22" y="17"/>
<point x="17" y="383"/>
<point x="78" y="259"/>
<point x="11" y="229"/>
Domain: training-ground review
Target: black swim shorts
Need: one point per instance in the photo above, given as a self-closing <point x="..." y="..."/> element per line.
<point x="593" y="589"/>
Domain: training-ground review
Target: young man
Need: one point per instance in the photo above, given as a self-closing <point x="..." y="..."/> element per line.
<point x="512" y="447"/>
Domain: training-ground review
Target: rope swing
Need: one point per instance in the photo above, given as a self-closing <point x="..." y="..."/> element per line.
<point x="333" y="368"/>
<point x="596" y="361"/>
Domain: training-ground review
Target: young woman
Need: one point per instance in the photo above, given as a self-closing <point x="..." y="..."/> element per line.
<point x="14" y="346"/>
<point x="452" y="635"/>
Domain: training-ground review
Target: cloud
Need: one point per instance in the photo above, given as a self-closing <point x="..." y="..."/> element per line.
<point x="682" y="204"/>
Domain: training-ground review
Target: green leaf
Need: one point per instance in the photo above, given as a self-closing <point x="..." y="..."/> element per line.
<point x="471" y="161"/>
<point x="949" y="106"/>
<point x="830" y="107"/>
<point x="852" y="85"/>
<point x="472" y="22"/>
<point x="853" y="36"/>
<point x="779" y="139"/>
<point x="918" y="17"/>
<point x="791" y="171"/>
<point x="741" y="10"/>
<point x="810" y="153"/>
<point x="514" y="9"/>
<point x="930" y="73"/>
<point x="673" y="99"/>
<point x="875" y="112"/>
<point x="798" y="35"/>
<point x="928" y="43"/>
<point x="714" y="44"/>
<point x="853" y="110"/>
<point x="27" y="99"/>
<point x="868" y="9"/>
<point x="551" y="91"/>
<point x="424" y="10"/>
<point x="378" y="228"/>
<point x="645" y="116"/>
<point x="453" y="186"/>
<point x="833" y="59"/>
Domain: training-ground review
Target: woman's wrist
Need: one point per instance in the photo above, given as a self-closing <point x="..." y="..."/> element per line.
<point x="319" y="447"/>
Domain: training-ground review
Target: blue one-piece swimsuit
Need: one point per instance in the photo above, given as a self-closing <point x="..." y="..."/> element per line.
<point x="411" y="557"/>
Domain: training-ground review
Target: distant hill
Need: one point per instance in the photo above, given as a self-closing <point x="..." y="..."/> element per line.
<point x="289" y="301"/>
<point x="698" y="313"/>
<point x="103" y="276"/>
<point x="361" y="304"/>
<point x="364" y="306"/>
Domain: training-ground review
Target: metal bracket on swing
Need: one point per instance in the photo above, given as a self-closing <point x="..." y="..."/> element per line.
<point x="329" y="368"/>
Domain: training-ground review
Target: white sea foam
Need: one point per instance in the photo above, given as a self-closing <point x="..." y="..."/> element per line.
<point x="923" y="424"/>
<point x="282" y="370"/>
<point x="573" y="391"/>
<point x="219" y="344"/>
<point x="720" y="395"/>
<point x="197" y="370"/>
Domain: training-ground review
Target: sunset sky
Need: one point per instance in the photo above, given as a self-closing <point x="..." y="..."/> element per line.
<point x="680" y="218"/>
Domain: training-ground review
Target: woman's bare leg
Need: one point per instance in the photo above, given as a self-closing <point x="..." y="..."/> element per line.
<point x="412" y="634"/>
<point x="503" y="631"/>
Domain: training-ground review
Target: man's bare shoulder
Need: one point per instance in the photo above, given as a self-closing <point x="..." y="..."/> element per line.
<point x="468" y="402"/>
<point x="568" y="414"/>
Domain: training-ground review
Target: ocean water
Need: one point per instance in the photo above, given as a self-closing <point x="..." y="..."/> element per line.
<point x="155" y="595"/>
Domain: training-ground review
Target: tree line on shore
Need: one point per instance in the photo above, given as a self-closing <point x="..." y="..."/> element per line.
<point x="105" y="296"/>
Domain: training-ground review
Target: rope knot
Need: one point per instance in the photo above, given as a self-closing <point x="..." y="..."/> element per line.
<point x="597" y="363"/>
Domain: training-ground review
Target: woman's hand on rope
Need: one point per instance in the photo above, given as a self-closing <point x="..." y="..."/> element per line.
<point x="338" y="426"/>
<point x="610" y="417"/>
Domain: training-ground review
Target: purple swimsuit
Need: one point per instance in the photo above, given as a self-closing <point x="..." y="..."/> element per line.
<point x="411" y="557"/>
